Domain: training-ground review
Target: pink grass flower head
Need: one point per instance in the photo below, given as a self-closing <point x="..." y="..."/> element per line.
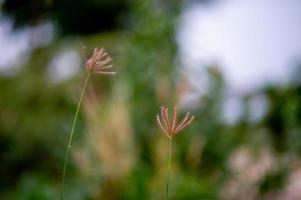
<point x="169" y="125"/>
<point x="100" y="62"/>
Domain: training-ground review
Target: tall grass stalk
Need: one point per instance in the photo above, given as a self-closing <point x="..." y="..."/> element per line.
<point x="171" y="127"/>
<point x="98" y="63"/>
<point x="68" y="147"/>
<point x="169" y="167"/>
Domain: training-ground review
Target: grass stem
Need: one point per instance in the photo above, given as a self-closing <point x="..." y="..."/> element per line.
<point x="71" y="135"/>
<point x="169" y="166"/>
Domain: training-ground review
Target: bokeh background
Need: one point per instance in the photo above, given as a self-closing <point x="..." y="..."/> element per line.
<point x="235" y="64"/>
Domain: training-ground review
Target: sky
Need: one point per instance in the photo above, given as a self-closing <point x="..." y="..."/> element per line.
<point x="254" y="42"/>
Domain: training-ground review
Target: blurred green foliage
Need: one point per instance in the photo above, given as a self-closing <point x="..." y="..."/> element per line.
<point x="36" y="115"/>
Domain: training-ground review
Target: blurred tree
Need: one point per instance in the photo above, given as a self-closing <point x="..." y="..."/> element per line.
<point x="75" y="17"/>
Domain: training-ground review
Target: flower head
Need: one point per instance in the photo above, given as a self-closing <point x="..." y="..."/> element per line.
<point x="169" y="125"/>
<point x="99" y="62"/>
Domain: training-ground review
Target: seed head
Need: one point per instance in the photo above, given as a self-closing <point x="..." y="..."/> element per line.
<point x="169" y="124"/>
<point x="99" y="62"/>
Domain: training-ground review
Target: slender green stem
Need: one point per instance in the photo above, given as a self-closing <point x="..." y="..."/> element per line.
<point x="71" y="134"/>
<point x="169" y="166"/>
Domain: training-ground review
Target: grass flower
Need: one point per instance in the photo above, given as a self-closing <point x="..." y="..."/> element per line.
<point x="98" y="63"/>
<point x="169" y="124"/>
<point x="171" y="127"/>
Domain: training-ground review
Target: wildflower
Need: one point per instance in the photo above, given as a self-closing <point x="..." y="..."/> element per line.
<point x="99" y="62"/>
<point x="169" y="125"/>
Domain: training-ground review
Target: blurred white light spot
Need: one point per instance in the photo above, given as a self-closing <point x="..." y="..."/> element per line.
<point x="13" y="47"/>
<point x="258" y="107"/>
<point x="64" y="65"/>
<point x="16" y="45"/>
<point x="232" y="109"/>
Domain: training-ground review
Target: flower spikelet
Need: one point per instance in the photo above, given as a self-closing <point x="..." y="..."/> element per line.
<point x="169" y="125"/>
<point x="100" y="62"/>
